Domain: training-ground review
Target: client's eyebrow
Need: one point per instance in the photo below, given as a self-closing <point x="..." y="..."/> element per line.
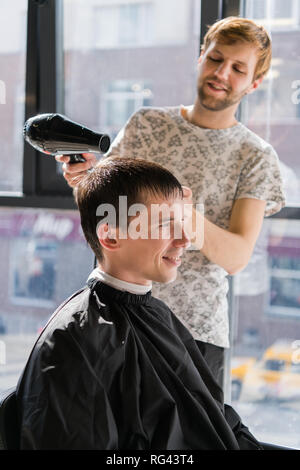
<point x="172" y="219"/>
<point x="164" y="221"/>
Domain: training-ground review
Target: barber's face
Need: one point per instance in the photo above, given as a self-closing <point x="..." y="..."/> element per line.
<point x="226" y="74"/>
<point x="158" y="256"/>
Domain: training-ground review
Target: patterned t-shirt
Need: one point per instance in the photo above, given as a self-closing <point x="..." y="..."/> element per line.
<point x="219" y="165"/>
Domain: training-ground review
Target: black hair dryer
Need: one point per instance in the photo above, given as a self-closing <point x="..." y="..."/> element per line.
<point x="55" y="134"/>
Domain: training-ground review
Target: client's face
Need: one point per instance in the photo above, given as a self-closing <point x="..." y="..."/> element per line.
<point x="155" y="242"/>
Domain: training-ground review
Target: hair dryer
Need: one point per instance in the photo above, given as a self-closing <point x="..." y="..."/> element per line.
<point x="55" y="134"/>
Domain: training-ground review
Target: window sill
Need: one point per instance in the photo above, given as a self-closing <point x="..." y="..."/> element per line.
<point x="37" y="201"/>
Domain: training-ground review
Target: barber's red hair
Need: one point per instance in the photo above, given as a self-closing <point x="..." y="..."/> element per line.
<point x="233" y="29"/>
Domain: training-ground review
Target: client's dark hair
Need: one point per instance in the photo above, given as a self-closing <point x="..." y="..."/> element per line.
<point x="113" y="177"/>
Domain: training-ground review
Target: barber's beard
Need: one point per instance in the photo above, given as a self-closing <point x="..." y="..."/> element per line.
<point x="213" y="103"/>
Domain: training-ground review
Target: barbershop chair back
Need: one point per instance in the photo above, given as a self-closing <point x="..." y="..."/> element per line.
<point x="9" y="430"/>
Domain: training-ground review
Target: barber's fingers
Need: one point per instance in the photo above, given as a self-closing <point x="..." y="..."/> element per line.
<point x="62" y="158"/>
<point x="73" y="179"/>
<point x="74" y="172"/>
<point x="76" y="168"/>
<point x="187" y="192"/>
<point x="65" y="158"/>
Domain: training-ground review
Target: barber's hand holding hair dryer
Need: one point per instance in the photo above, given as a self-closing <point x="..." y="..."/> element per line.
<point x="57" y="135"/>
<point x="70" y="142"/>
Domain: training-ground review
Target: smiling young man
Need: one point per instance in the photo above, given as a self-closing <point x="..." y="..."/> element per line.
<point x="114" y="369"/>
<point x="231" y="171"/>
<point x="149" y="245"/>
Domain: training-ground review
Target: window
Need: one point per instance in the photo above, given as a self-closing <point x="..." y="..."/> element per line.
<point x="284" y="256"/>
<point x="284" y="293"/>
<point x="124" y="25"/>
<point x="41" y="250"/>
<point x="121" y="99"/>
<point x="272" y="364"/>
<point x="273" y="110"/>
<point x="277" y="14"/>
<point x="33" y="273"/>
<point x="258" y="9"/>
<point x="265" y="376"/>
<point x="12" y="92"/>
<point x="108" y="75"/>
<point x="266" y="326"/>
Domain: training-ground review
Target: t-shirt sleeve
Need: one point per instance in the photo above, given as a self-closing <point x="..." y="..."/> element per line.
<point x="261" y="179"/>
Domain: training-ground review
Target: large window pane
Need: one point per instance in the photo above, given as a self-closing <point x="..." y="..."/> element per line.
<point x="265" y="363"/>
<point x="265" y="378"/>
<point x="122" y="55"/>
<point x="273" y="110"/>
<point x="12" y="92"/>
<point x="41" y="251"/>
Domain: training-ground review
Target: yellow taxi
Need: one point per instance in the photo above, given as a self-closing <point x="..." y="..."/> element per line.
<point x="239" y="368"/>
<point x="276" y="376"/>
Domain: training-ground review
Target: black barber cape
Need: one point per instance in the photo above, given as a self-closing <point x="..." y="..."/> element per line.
<point x="118" y="371"/>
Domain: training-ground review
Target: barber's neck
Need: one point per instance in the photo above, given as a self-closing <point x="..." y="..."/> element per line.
<point x="208" y="119"/>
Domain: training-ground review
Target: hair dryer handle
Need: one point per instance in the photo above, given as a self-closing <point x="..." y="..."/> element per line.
<point x="76" y="158"/>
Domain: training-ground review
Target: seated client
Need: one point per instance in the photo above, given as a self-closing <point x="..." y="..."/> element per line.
<point x="114" y="369"/>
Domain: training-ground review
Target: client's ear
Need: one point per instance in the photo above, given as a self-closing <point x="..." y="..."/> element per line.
<point x="107" y="237"/>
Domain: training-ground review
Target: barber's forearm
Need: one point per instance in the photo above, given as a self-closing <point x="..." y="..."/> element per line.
<point x="229" y="250"/>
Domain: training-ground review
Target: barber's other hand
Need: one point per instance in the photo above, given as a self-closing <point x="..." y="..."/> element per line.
<point x="74" y="172"/>
<point x="187" y="194"/>
<point x="188" y="211"/>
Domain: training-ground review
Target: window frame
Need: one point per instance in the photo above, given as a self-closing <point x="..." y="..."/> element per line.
<point x="44" y="93"/>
